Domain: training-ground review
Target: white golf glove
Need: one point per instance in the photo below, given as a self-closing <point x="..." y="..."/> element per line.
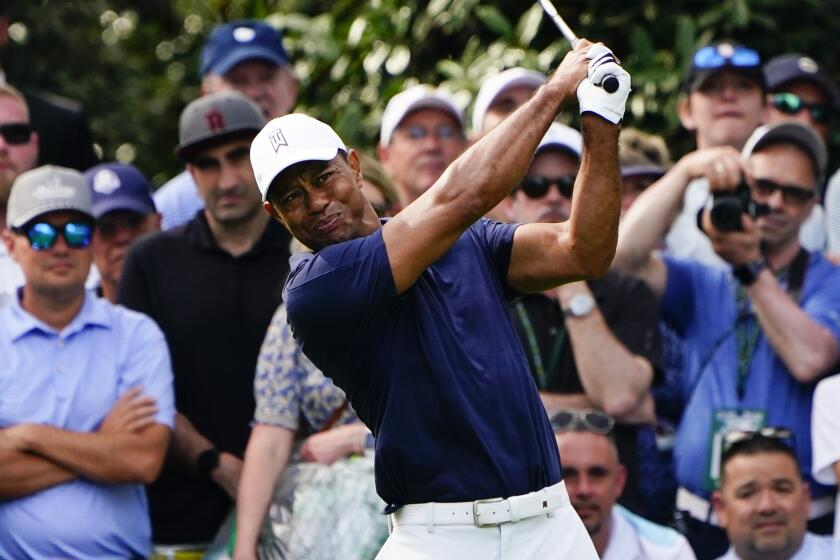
<point x="593" y="98"/>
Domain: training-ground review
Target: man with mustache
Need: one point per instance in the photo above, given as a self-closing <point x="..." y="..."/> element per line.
<point x="18" y="153"/>
<point x="591" y="344"/>
<point x="595" y="479"/>
<point x="422" y="132"/>
<point x="756" y="337"/>
<point x="212" y="285"/>
<point x="763" y="502"/>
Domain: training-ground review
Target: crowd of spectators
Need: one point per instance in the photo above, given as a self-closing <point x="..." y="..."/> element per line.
<point x="151" y="387"/>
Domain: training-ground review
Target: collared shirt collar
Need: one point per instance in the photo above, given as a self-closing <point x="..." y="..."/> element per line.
<point x="199" y="235"/>
<point x="624" y="542"/>
<point x="20" y="322"/>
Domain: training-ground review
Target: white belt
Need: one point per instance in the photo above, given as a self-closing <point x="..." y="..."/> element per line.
<point x="483" y="513"/>
<point x="700" y="509"/>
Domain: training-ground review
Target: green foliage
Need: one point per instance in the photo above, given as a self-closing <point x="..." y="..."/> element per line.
<point x="134" y="64"/>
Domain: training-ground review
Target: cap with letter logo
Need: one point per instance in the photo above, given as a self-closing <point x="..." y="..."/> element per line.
<point x="288" y="140"/>
<point x="216" y="118"/>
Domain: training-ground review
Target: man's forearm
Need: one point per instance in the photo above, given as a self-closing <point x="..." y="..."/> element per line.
<point x="648" y="220"/>
<point x="614" y="378"/>
<point x="113" y="457"/>
<point x="186" y="445"/>
<point x="22" y="474"/>
<point x="807" y="348"/>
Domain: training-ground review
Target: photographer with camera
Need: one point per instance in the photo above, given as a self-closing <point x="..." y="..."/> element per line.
<point x="758" y="336"/>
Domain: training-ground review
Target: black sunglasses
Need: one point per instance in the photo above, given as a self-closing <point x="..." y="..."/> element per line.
<point x="588" y="419"/>
<point x="16" y="133"/>
<point x="43" y="235"/>
<point x="790" y="103"/>
<point x="790" y="193"/>
<point x="536" y="186"/>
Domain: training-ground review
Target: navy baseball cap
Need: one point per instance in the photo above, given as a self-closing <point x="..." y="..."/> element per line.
<point x="119" y="186"/>
<point x="723" y="55"/>
<point x="238" y="41"/>
<point x="789" y="68"/>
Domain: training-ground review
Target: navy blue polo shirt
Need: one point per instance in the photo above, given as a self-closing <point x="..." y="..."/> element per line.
<point x="437" y="373"/>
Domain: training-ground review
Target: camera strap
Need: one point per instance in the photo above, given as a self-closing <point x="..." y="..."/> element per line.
<point x="748" y="330"/>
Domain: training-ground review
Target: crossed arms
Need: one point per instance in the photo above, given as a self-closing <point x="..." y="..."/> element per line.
<point x="128" y="447"/>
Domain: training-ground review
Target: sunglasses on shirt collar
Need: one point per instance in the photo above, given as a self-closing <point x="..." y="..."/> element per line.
<point x="16" y="133"/>
<point x="42" y="236"/>
<point x="588" y="419"/>
<point x="791" y="104"/>
<point x="536" y="186"/>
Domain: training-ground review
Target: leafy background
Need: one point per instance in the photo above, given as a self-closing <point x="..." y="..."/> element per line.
<point x="133" y="65"/>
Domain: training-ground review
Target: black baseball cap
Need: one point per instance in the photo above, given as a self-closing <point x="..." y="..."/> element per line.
<point x="723" y="55"/>
<point x="788" y="68"/>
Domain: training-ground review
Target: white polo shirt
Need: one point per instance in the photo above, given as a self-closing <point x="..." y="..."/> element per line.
<point x="814" y="547"/>
<point x="825" y="426"/>
<point x="635" y="538"/>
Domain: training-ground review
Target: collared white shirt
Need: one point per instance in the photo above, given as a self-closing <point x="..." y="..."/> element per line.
<point x="635" y="538"/>
<point x="814" y="547"/>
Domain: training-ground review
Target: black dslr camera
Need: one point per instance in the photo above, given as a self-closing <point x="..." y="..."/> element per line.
<point x="727" y="207"/>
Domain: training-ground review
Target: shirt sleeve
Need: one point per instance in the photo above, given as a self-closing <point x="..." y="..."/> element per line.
<point x="148" y="365"/>
<point x="348" y="286"/>
<point x="498" y="239"/>
<point x="825" y="425"/>
<point x="823" y="304"/>
<point x="133" y="289"/>
<point x="279" y="375"/>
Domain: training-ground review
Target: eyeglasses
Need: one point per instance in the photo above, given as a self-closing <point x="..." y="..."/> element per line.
<point x="587" y="419"/>
<point x="442" y="132"/>
<point x="536" y="186"/>
<point x="43" y="235"/>
<point x="717" y="56"/>
<point x="16" y="133"/>
<point x="790" y="194"/>
<point x="735" y="437"/>
<point x="790" y="103"/>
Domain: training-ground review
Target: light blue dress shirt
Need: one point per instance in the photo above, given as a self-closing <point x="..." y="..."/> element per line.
<point x="178" y="201"/>
<point x="71" y="379"/>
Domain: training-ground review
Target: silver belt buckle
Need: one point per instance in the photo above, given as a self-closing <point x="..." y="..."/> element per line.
<point x="476" y="520"/>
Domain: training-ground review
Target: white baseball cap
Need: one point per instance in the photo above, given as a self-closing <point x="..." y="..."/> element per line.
<point x="563" y="137"/>
<point x="414" y="98"/>
<point x="496" y="85"/>
<point x="288" y="140"/>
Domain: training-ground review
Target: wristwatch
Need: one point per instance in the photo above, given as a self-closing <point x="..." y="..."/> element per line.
<point x="580" y="305"/>
<point x="747" y="273"/>
<point x="207" y="461"/>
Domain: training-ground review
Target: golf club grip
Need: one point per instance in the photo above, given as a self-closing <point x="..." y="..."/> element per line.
<point x="610" y="84"/>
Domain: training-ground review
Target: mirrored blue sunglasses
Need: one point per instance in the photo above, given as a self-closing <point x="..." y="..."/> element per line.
<point x="43" y="235"/>
<point x="717" y="56"/>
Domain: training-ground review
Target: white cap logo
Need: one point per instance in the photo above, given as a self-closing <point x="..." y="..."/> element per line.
<point x="808" y="65"/>
<point x="52" y="190"/>
<point x="277" y="140"/>
<point x="244" y="34"/>
<point x="106" y="181"/>
<point x="726" y="50"/>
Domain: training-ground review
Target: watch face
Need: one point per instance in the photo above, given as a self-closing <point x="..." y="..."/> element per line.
<point x="581" y="305"/>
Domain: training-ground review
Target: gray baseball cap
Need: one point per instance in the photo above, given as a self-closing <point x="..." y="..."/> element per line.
<point x="216" y="118"/>
<point x="47" y="189"/>
<point x="790" y="132"/>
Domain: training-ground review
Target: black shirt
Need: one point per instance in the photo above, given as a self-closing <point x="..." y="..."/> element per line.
<point x="631" y="311"/>
<point x="214" y="310"/>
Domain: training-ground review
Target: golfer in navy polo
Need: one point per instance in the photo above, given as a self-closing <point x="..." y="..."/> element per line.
<point x="408" y="317"/>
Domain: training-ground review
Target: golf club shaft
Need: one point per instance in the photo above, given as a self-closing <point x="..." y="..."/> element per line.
<point x="609" y="83"/>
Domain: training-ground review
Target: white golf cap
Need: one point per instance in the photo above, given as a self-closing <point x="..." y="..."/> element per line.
<point x="562" y="137"/>
<point x="288" y="140"/>
<point x="413" y="99"/>
<point x="496" y="85"/>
